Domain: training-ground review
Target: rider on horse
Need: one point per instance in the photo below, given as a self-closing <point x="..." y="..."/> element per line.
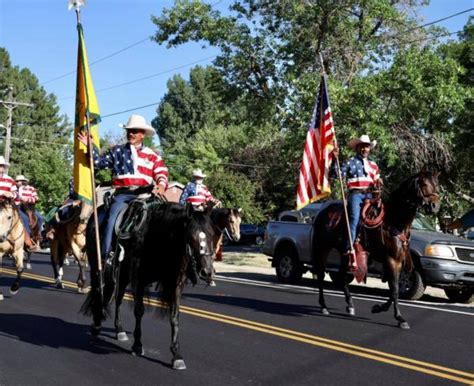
<point x="362" y="175"/>
<point x="8" y="187"/>
<point x="27" y="196"/>
<point x="195" y="192"/>
<point x="133" y="166"/>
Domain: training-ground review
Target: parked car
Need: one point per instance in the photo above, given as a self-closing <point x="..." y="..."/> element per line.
<point x="440" y="260"/>
<point x="249" y="234"/>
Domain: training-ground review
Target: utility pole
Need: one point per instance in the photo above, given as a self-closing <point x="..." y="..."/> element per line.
<point x="10" y="105"/>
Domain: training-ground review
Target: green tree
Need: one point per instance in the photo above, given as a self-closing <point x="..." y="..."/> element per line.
<point x="40" y="147"/>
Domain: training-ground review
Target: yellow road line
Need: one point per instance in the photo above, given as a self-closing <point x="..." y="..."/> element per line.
<point x="379" y="356"/>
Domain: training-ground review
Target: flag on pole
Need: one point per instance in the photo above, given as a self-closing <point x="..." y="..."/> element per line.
<point x="313" y="183"/>
<point x="87" y="118"/>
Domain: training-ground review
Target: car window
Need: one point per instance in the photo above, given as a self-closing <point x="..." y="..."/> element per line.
<point x="422" y="224"/>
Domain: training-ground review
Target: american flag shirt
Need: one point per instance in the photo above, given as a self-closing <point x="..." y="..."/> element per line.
<point x="360" y="173"/>
<point x="26" y="194"/>
<point x="133" y="167"/>
<point x="8" y="187"/>
<point x="195" y="194"/>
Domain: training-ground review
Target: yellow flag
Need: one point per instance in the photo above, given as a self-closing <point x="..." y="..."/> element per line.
<point x="86" y="110"/>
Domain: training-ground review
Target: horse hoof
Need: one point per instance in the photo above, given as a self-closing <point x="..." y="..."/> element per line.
<point x="179" y="364"/>
<point x="404" y="325"/>
<point x="350" y="311"/>
<point x="14" y="289"/>
<point x="59" y="285"/>
<point x="122" y="337"/>
<point x="324" y="311"/>
<point x="138" y="351"/>
<point x="28" y="266"/>
<point x="376" y="309"/>
<point x="95" y="330"/>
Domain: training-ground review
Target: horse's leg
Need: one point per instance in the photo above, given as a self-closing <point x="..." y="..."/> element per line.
<point x="320" y="265"/>
<point x="18" y="255"/>
<point x="60" y="254"/>
<point x="345" y="287"/>
<point x="122" y="285"/>
<point x="139" y="310"/>
<point x="393" y="284"/>
<point x="389" y="270"/>
<point x="28" y="260"/>
<point x="81" y="278"/>
<point x="177" y="361"/>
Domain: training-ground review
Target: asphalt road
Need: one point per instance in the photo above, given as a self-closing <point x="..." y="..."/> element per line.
<point x="244" y="331"/>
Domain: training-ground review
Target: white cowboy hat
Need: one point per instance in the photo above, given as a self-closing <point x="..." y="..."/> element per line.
<point x="2" y="161"/>
<point x="362" y="139"/>
<point x="21" y="177"/>
<point x="198" y="173"/>
<point x="139" y="122"/>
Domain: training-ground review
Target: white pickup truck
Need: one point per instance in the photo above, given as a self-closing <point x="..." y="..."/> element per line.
<point x="440" y="260"/>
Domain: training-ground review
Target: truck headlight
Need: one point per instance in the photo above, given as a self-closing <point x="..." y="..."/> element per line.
<point x="440" y="251"/>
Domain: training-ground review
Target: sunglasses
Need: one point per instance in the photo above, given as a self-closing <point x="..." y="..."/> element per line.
<point x="135" y="131"/>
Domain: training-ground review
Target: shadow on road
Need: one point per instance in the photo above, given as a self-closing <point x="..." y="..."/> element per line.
<point x="53" y="332"/>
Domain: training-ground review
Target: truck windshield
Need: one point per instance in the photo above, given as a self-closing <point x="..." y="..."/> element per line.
<point x="421" y="223"/>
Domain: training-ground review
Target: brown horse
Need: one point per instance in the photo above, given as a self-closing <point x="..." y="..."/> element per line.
<point x="12" y="238"/>
<point x="70" y="237"/>
<point x="225" y="220"/>
<point x="34" y="239"/>
<point x="388" y="243"/>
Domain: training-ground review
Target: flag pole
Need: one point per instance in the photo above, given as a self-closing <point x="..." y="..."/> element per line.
<point x="338" y="169"/>
<point x="94" y="198"/>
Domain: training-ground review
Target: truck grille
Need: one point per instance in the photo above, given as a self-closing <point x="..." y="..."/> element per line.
<point x="465" y="254"/>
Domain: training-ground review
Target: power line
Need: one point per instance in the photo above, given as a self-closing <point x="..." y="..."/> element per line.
<point x="149" y="76"/>
<point x="131" y="109"/>
<point x="430" y="23"/>
<point x="99" y="60"/>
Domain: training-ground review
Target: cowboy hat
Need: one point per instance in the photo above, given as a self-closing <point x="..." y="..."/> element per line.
<point x="21" y="177"/>
<point x="2" y="161"/>
<point x="139" y="122"/>
<point x="198" y="173"/>
<point x="363" y="139"/>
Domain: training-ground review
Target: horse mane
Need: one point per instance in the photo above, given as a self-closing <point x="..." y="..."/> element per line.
<point x="160" y="247"/>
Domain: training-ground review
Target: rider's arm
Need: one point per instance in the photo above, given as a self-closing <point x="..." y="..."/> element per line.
<point x="185" y="194"/>
<point x="103" y="161"/>
<point x="160" y="172"/>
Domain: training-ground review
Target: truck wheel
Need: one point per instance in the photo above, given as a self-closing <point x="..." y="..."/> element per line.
<point x="411" y="285"/>
<point x="336" y="278"/>
<point x="460" y="295"/>
<point x="287" y="267"/>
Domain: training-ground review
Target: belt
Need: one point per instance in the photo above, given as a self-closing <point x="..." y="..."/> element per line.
<point x="360" y="191"/>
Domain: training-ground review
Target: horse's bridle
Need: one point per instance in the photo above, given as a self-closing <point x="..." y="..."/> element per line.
<point x="426" y="199"/>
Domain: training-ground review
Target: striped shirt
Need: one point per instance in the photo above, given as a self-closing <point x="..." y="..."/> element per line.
<point x="195" y="194"/>
<point x="8" y="187"/>
<point x="133" y="167"/>
<point x="360" y="173"/>
<point x="26" y="194"/>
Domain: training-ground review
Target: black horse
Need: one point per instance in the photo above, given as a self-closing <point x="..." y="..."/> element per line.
<point x="387" y="243"/>
<point x="173" y="244"/>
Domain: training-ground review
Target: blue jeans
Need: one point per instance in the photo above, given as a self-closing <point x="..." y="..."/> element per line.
<point x="25" y="220"/>
<point x="118" y="203"/>
<point x="354" y="204"/>
<point x="40" y="220"/>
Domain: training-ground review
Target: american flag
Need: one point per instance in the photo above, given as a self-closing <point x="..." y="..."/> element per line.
<point x="313" y="183"/>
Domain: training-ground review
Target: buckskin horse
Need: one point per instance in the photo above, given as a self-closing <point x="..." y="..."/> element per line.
<point x="69" y="237"/>
<point x="12" y="238"/>
<point x="173" y="244"/>
<point x="387" y="243"/>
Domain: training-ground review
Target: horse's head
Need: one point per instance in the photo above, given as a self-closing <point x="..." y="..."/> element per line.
<point x="427" y="186"/>
<point x="7" y="216"/>
<point x="228" y="220"/>
<point x="199" y="242"/>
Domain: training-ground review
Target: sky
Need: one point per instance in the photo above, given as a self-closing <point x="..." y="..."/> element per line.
<point x="42" y="35"/>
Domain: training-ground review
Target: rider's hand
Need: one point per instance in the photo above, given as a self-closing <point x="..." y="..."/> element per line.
<point x="159" y="190"/>
<point x="83" y="136"/>
<point x="379" y="183"/>
<point x="335" y="151"/>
